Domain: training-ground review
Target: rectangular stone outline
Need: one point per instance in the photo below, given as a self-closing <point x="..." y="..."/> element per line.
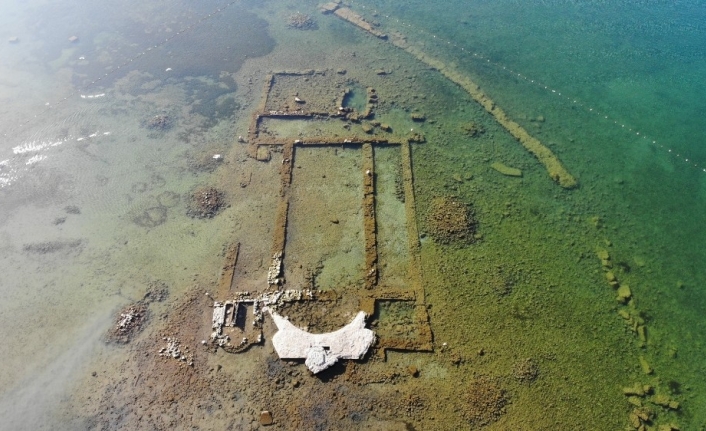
<point x="372" y="292"/>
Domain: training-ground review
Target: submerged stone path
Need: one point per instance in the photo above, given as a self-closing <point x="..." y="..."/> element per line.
<point x="545" y="156"/>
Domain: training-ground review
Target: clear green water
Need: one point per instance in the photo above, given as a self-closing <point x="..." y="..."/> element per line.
<point x="641" y="64"/>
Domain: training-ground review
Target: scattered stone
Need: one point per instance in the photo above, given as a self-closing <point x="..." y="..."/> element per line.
<point x="244" y="178"/>
<point x="450" y="220"/>
<point x="668" y="427"/>
<point x="202" y="161"/>
<point x="416" y="137"/>
<point x="47" y="247"/>
<point x="205" y="202"/>
<point x="129" y="322"/>
<point x="263" y="154"/>
<point x="665" y="401"/>
<point x="174" y="350"/>
<point x="266" y="418"/>
<point x="640" y="417"/>
<point x="604" y="256"/>
<point x="275" y="269"/>
<point x="506" y="170"/>
<point x="624" y="314"/>
<point x="624" y="293"/>
<point x="473" y="129"/>
<point x="73" y="39"/>
<point x="355" y="19"/>
<point x="634" y="421"/>
<point x="642" y="333"/>
<point x="485" y="402"/>
<point x="157" y="291"/>
<point x="59" y="220"/>
<point x="526" y="370"/>
<point x="160" y="122"/>
<point x="329" y="7"/>
<point x="301" y="21"/>
<point x="611" y="278"/>
<point x="635" y="390"/>
<point x="645" y="366"/>
<point x="635" y="401"/>
<point x="14" y="39"/>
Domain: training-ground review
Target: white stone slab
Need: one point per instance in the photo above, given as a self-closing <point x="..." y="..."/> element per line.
<point x="322" y="350"/>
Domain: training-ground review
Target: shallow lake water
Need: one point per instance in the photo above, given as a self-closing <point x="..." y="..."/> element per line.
<point x="126" y="173"/>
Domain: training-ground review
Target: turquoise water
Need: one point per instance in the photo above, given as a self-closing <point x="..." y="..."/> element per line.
<point x="642" y="66"/>
<point x="619" y="88"/>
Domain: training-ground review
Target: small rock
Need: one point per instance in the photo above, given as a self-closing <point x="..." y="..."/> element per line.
<point x="386" y="127"/>
<point x="73" y="39"/>
<point x="635" y="401"/>
<point x="329" y="7"/>
<point x="266" y="418"/>
<point x="14" y="39"/>
<point x="506" y="170"/>
<point x="642" y="333"/>
<point x="413" y="371"/>
<point x="635" y="390"/>
<point x="381" y="72"/>
<point x="634" y="421"/>
<point x="367" y="128"/>
<point x="624" y="293"/>
<point x="341" y="71"/>
<point x="417" y="116"/>
<point x="645" y="366"/>
<point x="263" y="154"/>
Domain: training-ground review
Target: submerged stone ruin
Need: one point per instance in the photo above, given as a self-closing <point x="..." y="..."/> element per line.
<point x="317" y="97"/>
<point x="313" y="97"/>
